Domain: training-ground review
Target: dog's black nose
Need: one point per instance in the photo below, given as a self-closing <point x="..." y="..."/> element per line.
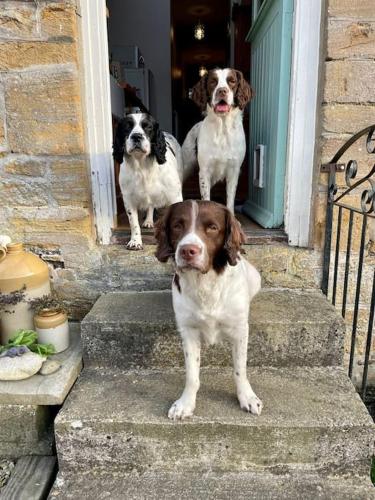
<point x="137" y="137"/>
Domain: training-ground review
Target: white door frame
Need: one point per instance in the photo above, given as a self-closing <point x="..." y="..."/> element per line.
<point x="302" y="117"/>
<point x="303" y="111"/>
<point x="97" y="115"/>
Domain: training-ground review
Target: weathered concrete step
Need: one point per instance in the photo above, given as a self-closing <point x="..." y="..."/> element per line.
<point x="287" y="327"/>
<point x="312" y="419"/>
<point x="239" y="486"/>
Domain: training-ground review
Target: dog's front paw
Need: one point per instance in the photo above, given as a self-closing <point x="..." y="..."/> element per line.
<point x="181" y="409"/>
<point x="148" y="224"/>
<point x="134" y="244"/>
<point x="250" y="403"/>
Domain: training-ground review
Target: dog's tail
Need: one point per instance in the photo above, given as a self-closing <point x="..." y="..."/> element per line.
<point x="190" y="151"/>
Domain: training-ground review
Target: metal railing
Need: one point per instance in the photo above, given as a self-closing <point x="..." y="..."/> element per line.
<point x="354" y="202"/>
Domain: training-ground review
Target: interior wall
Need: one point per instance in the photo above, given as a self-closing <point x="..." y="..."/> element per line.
<point x="147" y="25"/>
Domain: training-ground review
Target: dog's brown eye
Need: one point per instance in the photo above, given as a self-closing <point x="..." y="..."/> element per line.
<point x="212" y="227"/>
<point x="177" y="226"/>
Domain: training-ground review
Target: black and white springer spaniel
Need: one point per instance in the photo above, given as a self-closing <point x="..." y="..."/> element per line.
<point x="212" y="289"/>
<point x="152" y="173"/>
<point x="218" y="142"/>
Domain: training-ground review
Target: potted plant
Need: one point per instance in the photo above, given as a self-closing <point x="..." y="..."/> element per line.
<point x="51" y="321"/>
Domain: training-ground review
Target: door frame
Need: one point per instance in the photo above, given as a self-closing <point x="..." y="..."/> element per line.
<point x="303" y="120"/>
<point x="97" y="115"/>
<point x="303" y="110"/>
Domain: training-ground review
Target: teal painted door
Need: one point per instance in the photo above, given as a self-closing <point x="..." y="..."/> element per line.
<point x="271" y="39"/>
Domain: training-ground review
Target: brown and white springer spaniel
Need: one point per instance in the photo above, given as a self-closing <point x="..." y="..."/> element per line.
<point x="212" y="289"/>
<point x="218" y="142"/>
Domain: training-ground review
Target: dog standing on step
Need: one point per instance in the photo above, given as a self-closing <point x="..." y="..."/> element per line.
<point x="212" y="289"/>
<point x="152" y="173"/>
<point x="218" y="143"/>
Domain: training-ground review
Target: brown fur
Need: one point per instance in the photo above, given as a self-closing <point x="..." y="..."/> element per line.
<point x="203" y="90"/>
<point x="223" y="244"/>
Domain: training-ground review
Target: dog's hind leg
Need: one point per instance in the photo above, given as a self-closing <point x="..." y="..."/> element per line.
<point x="204" y="186"/>
<point x="246" y="396"/>
<point x="185" y="406"/>
<point x="149" y="220"/>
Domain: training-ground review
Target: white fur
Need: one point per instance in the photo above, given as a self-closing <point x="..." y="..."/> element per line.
<point x="146" y="185"/>
<point x="211" y="307"/>
<point x="221" y="143"/>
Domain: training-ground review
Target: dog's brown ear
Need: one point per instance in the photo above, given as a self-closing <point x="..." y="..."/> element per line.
<point x="164" y="249"/>
<point x="234" y="238"/>
<point x="200" y="93"/>
<point x="244" y="92"/>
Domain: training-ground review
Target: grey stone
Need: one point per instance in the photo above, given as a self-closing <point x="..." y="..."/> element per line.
<point x="51" y="390"/>
<point x="25" y="430"/>
<point x="312" y="420"/>
<point x="210" y="486"/>
<point x="287" y="328"/>
<point x="50" y="366"/>
<point x="31" y="479"/>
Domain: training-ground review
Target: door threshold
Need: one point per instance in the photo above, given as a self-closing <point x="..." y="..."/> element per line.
<point x="256" y="235"/>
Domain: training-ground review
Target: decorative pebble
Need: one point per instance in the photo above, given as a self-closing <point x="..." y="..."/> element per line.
<point x="49" y="366"/>
<point x="20" y="367"/>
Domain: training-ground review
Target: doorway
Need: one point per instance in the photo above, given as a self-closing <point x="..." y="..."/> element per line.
<point x="157" y="53"/>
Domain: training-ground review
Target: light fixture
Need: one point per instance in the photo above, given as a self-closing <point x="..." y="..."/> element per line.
<point x="202" y="71"/>
<point x="199" y="31"/>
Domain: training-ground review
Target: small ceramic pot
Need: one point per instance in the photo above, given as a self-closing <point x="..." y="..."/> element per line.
<point x="52" y="328"/>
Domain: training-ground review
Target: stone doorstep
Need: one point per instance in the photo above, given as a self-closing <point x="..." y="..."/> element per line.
<point x="287" y="327"/>
<point x="31" y="479"/>
<point x="312" y="420"/>
<point x="210" y="486"/>
<point x="47" y="389"/>
<point x="26" y="430"/>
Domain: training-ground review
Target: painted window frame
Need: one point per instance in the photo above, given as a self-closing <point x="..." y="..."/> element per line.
<point x="302" y="133"/>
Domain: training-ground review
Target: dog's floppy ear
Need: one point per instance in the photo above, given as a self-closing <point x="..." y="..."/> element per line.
<point x="234" y="238"/>
<point x="164" y="249"/>
<point x="244" y="92"/>
<point x="200" y="93"/>
<point x="158" y="145"/>
<point x="119" y="142"/>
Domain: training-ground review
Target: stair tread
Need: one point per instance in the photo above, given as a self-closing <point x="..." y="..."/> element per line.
<point x="269" y="306"/>
<point x="312" y="420"/>
<point x="287" y="328"/>
<point x="210" y="486"/>
<point x="308" y="397"/>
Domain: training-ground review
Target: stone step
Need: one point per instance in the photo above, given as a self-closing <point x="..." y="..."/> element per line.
<point x="210" y="486"/>
<point x="313" y="420"/>
<point x="287" y="328"/>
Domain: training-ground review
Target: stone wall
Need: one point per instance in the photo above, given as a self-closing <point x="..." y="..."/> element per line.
<point x="348" y="106"/>
<point x="45" y="192"/>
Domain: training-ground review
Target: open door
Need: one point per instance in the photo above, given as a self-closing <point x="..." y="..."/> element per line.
<point x="271" y="42"/>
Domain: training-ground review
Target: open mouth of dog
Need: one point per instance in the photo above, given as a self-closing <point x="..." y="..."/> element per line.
<point x="222" y="107"/>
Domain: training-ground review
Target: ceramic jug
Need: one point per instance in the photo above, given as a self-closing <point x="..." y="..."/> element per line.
<point x="19" y="269"/>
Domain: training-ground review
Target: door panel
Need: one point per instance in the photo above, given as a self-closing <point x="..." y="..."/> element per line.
<point x="270" y="38"/>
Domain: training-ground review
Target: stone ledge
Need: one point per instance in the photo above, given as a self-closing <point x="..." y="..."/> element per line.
<point x="47" y="389"/>
<point x="210" y="486"/>
<point x="312" y="420"/>
<point x="287" y="328"/>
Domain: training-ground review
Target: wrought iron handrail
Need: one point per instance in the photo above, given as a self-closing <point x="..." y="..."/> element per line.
<point x="365" y="210"/>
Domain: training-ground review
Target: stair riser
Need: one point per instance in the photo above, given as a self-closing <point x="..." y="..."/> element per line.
<point x="214" y="447"/>
<point x="147" y="345"/>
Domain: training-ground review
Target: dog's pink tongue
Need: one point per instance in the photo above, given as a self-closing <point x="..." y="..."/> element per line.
<point x="221" y="108"/>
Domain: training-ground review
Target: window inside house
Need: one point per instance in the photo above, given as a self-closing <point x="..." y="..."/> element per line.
<point x="159" y="50"/>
